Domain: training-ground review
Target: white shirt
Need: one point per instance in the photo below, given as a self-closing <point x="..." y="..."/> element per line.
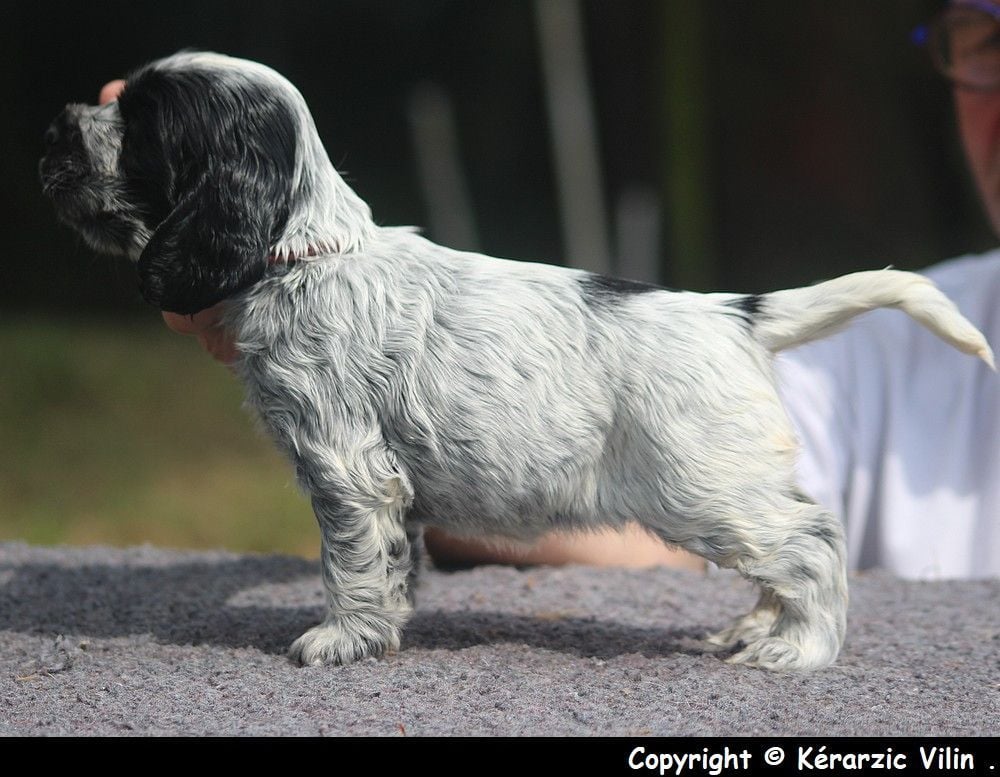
<point x="901" y="433"/>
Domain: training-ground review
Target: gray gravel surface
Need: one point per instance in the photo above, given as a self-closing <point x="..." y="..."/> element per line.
<point x="146" y="641"/>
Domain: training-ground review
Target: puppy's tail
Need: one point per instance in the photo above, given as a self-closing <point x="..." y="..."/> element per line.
<point x="787" y="318"/>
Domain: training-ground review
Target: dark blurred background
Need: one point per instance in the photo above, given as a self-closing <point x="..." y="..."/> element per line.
<point x="707" y="145"/>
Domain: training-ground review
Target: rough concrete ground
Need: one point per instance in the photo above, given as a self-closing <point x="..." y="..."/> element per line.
<point x="146" y="641"/>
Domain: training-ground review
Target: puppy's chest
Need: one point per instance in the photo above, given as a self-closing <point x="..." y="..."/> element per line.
<point x="324" y="366"/>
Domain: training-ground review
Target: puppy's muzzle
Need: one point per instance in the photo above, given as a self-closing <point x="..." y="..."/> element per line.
<point x="64" y="153"/>
<point x="64" y="131"/>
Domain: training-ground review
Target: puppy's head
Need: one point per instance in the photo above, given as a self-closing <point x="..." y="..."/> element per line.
<point x="203" y="168"/>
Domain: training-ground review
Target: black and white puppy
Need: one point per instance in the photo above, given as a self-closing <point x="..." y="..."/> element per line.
<point x="414" y="385"/>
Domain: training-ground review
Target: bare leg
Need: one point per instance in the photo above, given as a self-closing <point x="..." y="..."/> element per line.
<point x="632" y="547"/>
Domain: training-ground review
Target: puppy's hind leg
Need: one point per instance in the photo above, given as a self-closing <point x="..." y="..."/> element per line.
<point x="753" y="626"/>
<point x="798" y="557"/>
<point x="794" y="551"/>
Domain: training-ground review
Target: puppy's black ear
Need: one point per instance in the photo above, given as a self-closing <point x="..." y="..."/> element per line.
<point x="209" y="152"/>
<point x="213" y="243"/>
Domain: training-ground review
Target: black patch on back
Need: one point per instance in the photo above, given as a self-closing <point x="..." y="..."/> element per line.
<point x="749" y="308"/>
<point x="749" y="305"/>
<point x="602" y="290"/>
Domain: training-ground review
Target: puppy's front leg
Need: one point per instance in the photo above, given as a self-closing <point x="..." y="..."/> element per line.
<point x="366" y="561"/>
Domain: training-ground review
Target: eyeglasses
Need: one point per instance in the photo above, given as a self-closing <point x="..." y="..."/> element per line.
<point x="964" y="43"/>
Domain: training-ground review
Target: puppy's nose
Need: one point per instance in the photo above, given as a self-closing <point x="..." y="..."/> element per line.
<point x="63" y="130"/>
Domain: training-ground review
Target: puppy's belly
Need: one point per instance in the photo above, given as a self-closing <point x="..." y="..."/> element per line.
<point x="476" y="498"/>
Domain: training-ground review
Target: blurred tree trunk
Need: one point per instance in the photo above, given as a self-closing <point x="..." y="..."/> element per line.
<point x="686" y="151"/>
<point x="573" y="130"/>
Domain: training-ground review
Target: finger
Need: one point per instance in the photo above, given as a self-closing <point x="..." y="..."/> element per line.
<point x="111" y="90"/>
<point x="206" y="325"/>
<point x="219" y="345"/>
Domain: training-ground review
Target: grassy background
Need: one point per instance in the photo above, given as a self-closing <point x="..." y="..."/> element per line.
<point x="124" y="433"/>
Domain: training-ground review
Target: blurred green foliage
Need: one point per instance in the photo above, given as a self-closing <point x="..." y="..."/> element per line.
<point x="123" y="433"/>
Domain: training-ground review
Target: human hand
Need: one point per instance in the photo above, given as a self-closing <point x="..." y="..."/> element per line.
<point x="111" y="90"/>
<point x="206" y="324"/>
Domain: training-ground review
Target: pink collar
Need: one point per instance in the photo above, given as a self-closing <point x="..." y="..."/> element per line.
<point x="276" y="259"/>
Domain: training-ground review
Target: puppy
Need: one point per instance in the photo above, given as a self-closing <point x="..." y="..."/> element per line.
<point x="415" y="385"/>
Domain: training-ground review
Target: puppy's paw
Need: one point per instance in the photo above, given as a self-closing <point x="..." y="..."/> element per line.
<point x="772" y="653"/>
<point x="751" y="627"/>
<point x="342" y="642"/>
<point x="780" y="655"/>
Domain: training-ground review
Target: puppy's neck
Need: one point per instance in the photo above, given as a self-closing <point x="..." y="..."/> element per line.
<point x="325" y="215"/>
